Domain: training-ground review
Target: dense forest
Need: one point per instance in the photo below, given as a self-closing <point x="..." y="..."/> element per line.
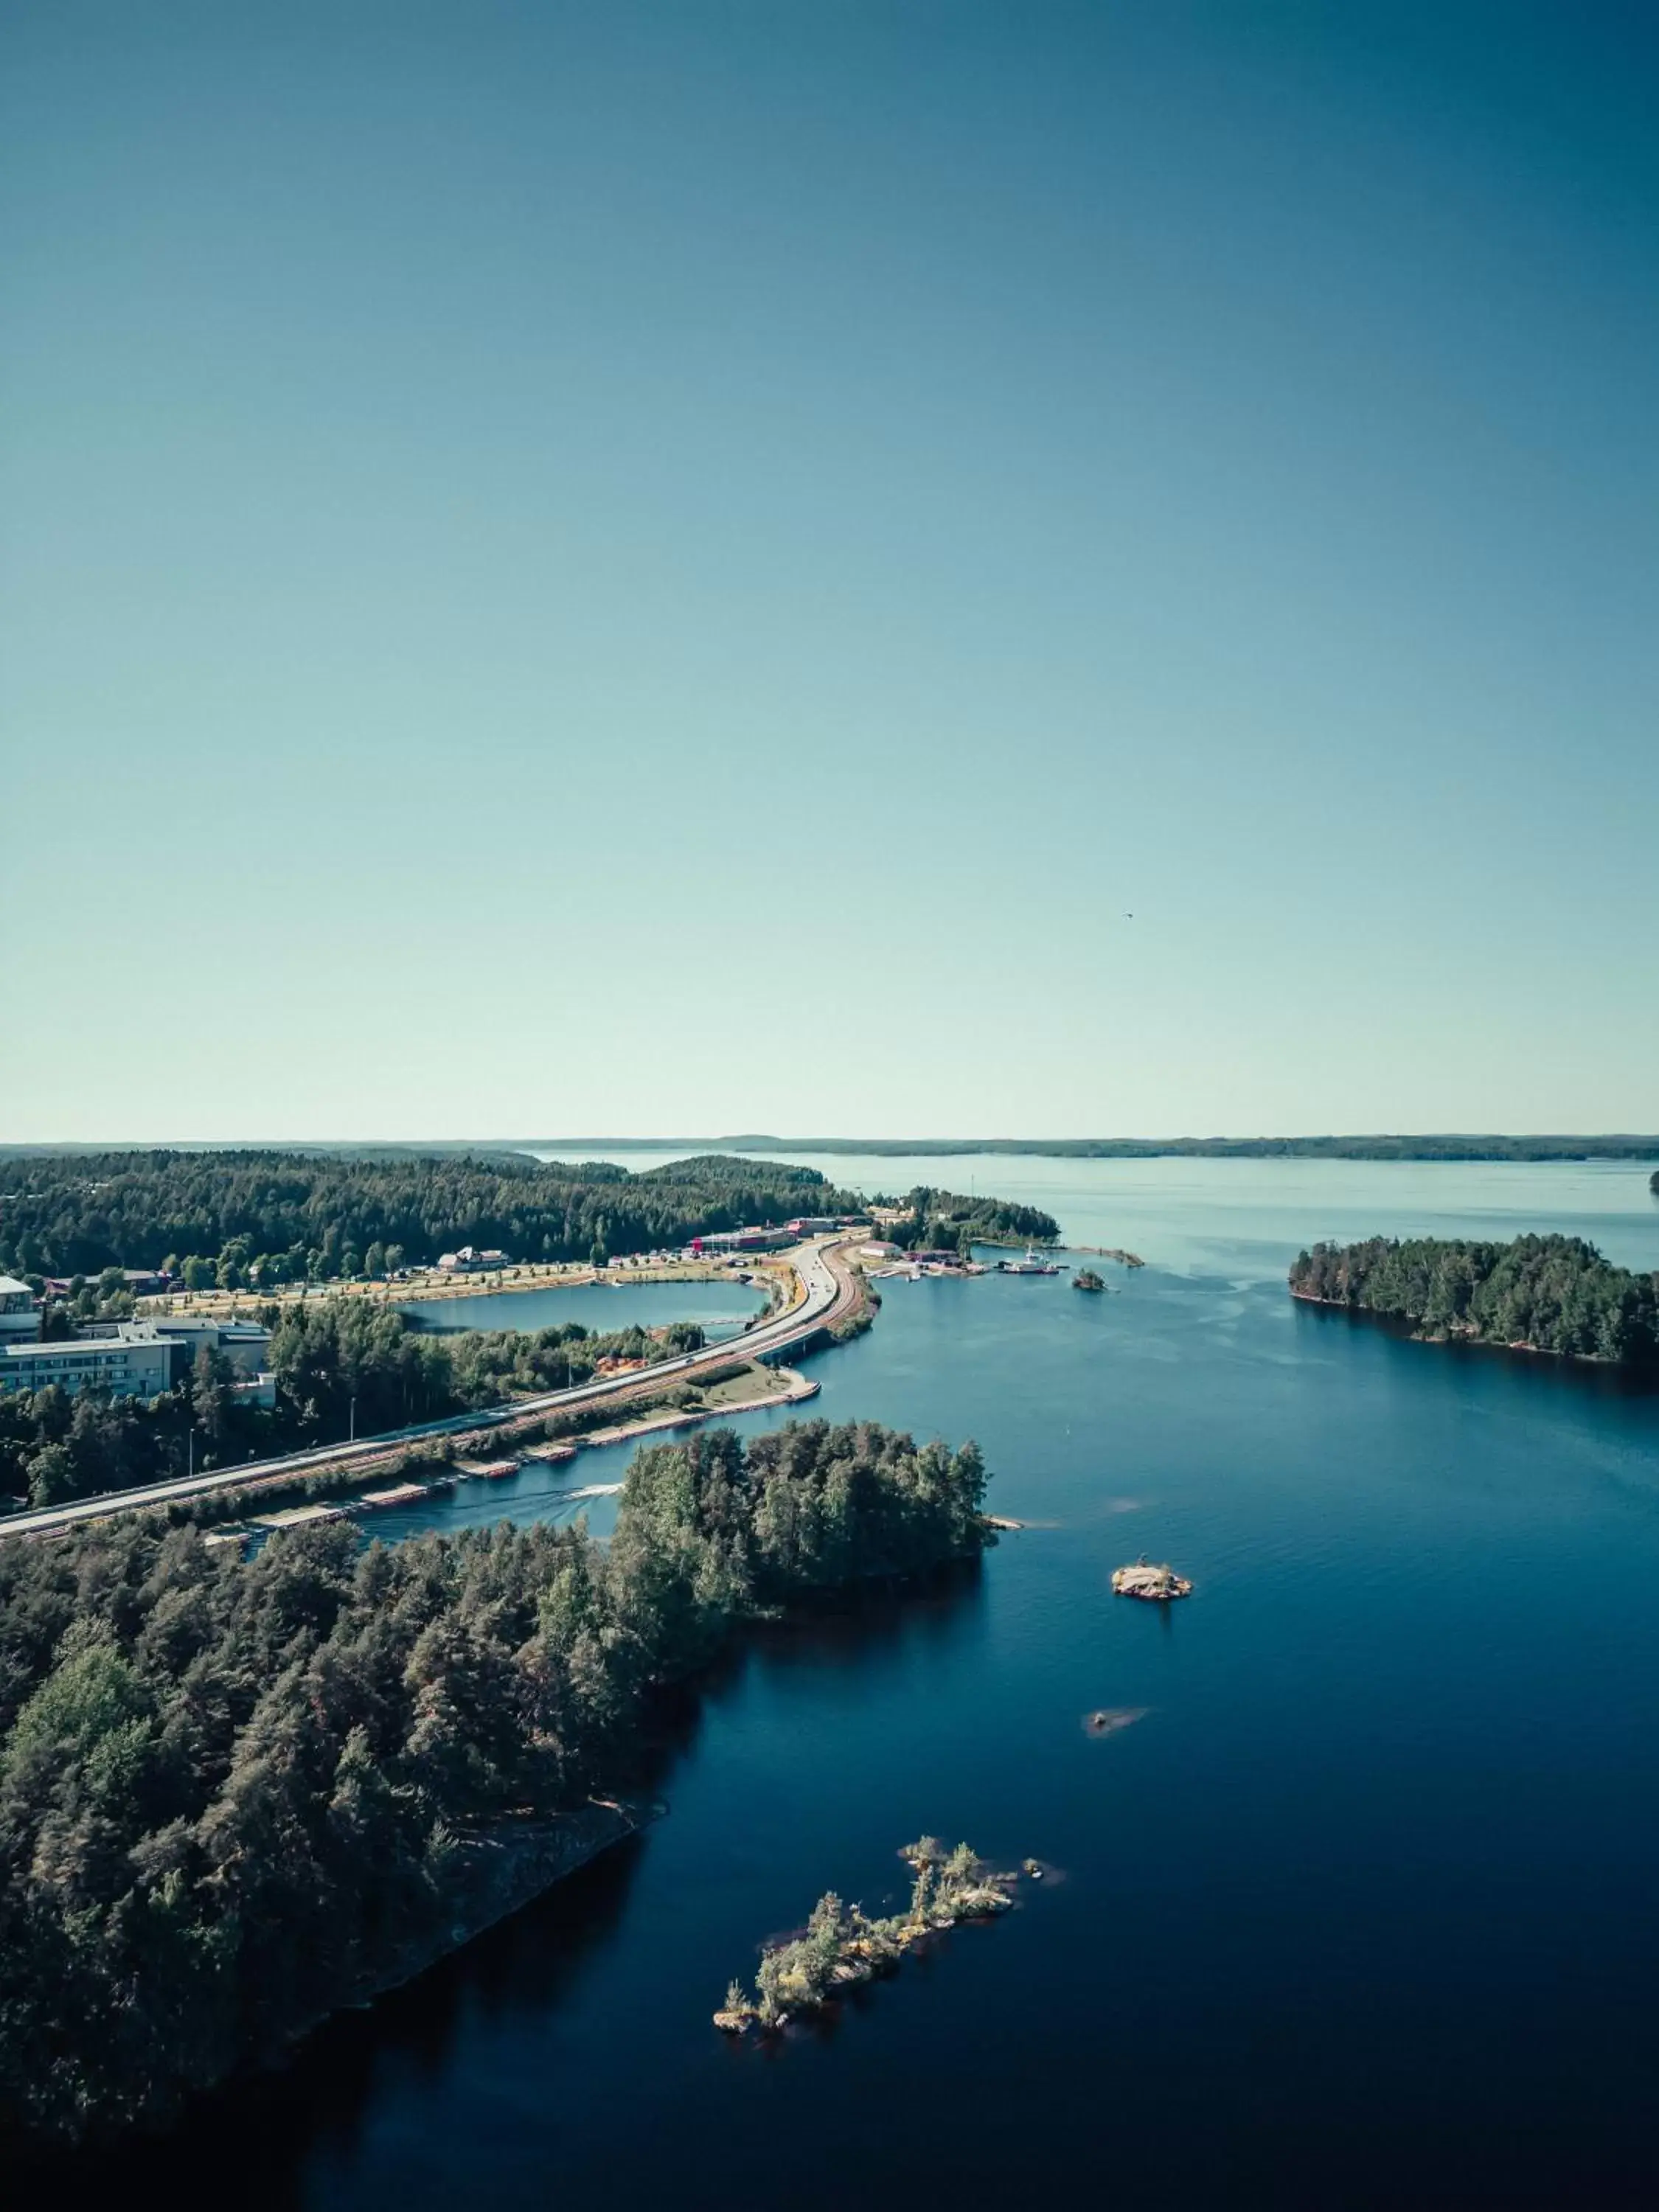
<point x="234" y="1797"/>
<point x="327" y="1354"/>
<point x="945" y="1221"/>
<point x="255" y="1219"/>
<point x="1548" y="1293"/>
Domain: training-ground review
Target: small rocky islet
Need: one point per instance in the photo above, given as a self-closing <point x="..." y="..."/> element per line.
<point x="842" y="1946"/>
<point x="1154" y="1585"/>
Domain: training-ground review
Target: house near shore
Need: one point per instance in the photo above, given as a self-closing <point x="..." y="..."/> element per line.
<point x="470" y="1261"/>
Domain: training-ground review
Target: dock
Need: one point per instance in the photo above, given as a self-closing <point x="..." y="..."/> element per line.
<point x="402" y="1494"/>
<point x="299" y="1516"/>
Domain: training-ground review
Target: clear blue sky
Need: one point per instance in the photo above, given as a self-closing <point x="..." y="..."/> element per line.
<point x="685" y="567"/>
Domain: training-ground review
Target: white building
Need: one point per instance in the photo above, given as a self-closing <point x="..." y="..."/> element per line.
<point x="469" y="1261"/>
<point x="20" y="1315"/>
<point x="245" y="1344"/>
<point x="134" y="1361"/>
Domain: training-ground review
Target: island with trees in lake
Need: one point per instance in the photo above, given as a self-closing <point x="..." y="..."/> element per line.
<point x="842" y="1946"/>
<point x="1552" y="1294"/>
<point x="235" y="1797"/>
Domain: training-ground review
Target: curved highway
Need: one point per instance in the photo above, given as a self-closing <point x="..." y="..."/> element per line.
<point x="821" y="1273"/>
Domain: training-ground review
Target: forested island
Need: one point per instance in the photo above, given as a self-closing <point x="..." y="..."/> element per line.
<point x="328" y="1356"/>
<point x="234" y="1797"/>
<point x="946" y="1221"/>
<point x="842" y="1946"/>
<point x="255" y="1219"/>
<point x="1552" y="1294"/>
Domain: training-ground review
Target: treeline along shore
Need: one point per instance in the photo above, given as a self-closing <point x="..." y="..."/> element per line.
<point x="247" y="1223"/>
<point x="1554" y="1294"/>
<point x="235" y="1796"/>
<point x="254" y="1220"/>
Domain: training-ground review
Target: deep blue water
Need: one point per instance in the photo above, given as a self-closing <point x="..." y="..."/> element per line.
<point x="1363" y="1911"/>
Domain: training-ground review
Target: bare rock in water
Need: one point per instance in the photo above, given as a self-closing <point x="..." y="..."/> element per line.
<point x="1156" y="1585"/>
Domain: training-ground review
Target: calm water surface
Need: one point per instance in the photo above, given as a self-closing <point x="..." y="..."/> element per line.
<point x="721" y="1308"/>
<point x="1366" y="1909"/>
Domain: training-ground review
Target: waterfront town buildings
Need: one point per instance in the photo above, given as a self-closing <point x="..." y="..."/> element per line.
<point x="721" y="1240"/>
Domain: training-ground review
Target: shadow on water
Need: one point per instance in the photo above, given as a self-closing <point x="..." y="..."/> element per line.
<point x="539" y="1960"/>
<point x="321" y="2097"/>
<point x="1547" y="1371"/>
<point x="859" y="1634"/>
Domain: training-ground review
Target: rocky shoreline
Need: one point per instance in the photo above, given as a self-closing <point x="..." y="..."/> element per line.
<point x="498" y="1873"/>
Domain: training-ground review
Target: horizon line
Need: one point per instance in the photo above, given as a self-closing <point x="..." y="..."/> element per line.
<point x="267" y="1143"/>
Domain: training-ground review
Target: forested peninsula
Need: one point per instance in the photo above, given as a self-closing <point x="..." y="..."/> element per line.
<point x="235" y="1796"/>
<point x="261" y="1218"/>
<point x="1553" y="1294"/>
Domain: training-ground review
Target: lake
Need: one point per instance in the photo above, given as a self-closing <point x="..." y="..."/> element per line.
<point x="720" y="1308"/>
<point x="1361" y="1911"/>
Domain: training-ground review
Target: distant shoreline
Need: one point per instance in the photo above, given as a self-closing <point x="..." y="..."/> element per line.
<point x="1449" y="1148"/>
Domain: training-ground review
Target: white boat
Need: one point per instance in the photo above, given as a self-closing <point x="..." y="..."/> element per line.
<point x="1031" y="1265"/>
